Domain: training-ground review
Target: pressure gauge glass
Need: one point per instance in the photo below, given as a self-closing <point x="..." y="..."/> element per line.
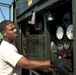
<point x="59" y="33"/>
<point x="60" y="47"/>
<point x="66" y="45"/>
<point x="69" y="32"/>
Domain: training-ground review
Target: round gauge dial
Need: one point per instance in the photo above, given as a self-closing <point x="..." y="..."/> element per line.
<point x="60" y="47"/>
<point x="59" y="33"/>
<point x="66" y="45"/>
<point x="69" y="32"/>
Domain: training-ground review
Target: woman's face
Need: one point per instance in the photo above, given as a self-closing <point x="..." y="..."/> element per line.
<point x="10" y="32"/>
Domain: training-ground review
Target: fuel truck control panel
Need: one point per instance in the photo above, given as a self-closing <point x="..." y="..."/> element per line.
<point x="47" y="32"/>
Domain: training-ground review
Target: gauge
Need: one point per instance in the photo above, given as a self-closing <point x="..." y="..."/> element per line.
<point x="69" y="32"/>
<point x="59" y="33"/>
<point x="53" y="47"/>
<point x="66" y="45"/>
<point x="60" y="47"/>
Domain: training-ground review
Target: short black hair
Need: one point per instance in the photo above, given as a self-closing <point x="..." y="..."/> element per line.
<point x="3" y="24"/>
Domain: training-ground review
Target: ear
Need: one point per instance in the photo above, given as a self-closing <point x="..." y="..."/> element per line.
<point x="4" y="33"/>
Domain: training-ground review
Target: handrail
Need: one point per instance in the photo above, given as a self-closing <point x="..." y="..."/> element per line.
<point x="5" y="4"/>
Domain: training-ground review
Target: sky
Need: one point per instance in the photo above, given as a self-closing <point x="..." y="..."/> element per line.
<point x="5" y="10"/>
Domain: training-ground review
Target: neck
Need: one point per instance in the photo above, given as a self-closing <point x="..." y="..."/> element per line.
<point x="10" y="41"/>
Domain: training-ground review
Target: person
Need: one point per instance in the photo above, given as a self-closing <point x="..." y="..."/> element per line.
<point x="11" y="61"/>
